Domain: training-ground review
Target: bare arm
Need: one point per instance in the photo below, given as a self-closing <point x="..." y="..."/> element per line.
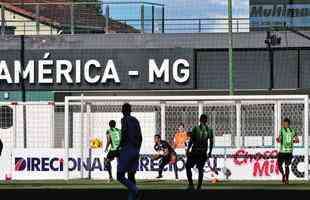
<point x="174" y="141"/>
<point x="108" y="142"/>
<point x="190" y="144"/>
<point x="279" y="138"/>
<point x="296" y="138"/>
<point x="211" y="145"/>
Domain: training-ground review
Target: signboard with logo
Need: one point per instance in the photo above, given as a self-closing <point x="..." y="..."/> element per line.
<point x="270" y="14"/>
<point x="238" y="164"/>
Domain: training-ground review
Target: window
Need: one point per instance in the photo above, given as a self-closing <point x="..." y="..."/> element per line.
<point x="6" y="117"/>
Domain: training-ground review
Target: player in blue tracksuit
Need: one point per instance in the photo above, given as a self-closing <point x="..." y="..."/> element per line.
<point x="130" y="144"/>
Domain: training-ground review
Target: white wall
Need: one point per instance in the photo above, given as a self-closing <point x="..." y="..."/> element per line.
<point x="39" y="127"/>
<point x="26" y="26"/>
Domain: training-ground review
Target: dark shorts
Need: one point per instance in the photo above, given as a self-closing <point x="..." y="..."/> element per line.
<point x="196" y="160"/>
<point x="285" y="157"/>
<point x="112" y="154"/>
<point x="128" y="160"/>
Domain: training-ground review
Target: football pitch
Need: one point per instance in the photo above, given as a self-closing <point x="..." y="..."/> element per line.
<point x="153" y="185"/>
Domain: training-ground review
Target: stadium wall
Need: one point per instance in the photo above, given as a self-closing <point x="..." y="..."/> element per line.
<point x="206" y="52"/>
<point x="208" y="68"/>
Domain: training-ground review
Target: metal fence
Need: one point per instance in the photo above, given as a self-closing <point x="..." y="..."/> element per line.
<point x="104" y="17"/>
<point x="74" y="18"/>
<point x="255" y="123"/>
<point x="240" y="123"/>
<point x="193" y="25"/>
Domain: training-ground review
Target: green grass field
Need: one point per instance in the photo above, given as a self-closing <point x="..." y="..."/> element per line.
<point x="154" y="185"/>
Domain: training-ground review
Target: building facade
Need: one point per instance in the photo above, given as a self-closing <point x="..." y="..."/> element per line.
<point x="189" y="63"/>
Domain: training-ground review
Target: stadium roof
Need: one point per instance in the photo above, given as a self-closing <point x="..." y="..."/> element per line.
<point x="58" y="15"/>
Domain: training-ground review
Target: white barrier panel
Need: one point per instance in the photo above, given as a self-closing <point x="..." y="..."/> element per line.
<point x="239" y="164"/>
<point x="6" y="169"/>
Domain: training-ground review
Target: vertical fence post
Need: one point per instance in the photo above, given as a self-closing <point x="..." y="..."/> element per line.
<point x="230" y="49"/>
<point x="37" y="19"/>
<point x="2" y="20"/>
<point x="277" y="118"/>
<point x="89" y="123"/>
<point x="14" y="140"/>
<point x="163" y="19"/>
<point x="199" y="25"/>
<point x="306" y="133"/>
<point x="142" y="18"/>
<point x="66" y="140"/>
<point x="72" y="19"/>
<point x="200" y="108"/>
<point x="107" y="18"/>
<point x="299" y="69"/>
<point x="153" y="19"/>
<point x="271" y="60"/>
<point x="52" y="112"/>
<point x="23" y="90"/>
<point x="237" y="25"/>
<point x="15" y="126"/>
<point x="82" y="133"/>
<point x="163" y="119"/>
<point x="238" y="125"/>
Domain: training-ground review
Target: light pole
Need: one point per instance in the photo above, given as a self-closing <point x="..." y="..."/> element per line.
<point x="230" y="51"/>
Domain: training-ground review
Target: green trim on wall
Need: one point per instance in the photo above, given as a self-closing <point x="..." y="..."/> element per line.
<point x="30" y="96"/>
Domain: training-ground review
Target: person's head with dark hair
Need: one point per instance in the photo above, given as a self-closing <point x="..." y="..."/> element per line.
<point x="189" y="134"/>
<point x="112" y="124"/>
<point x="126" y="109"/>
<point x="181" y="127"/>
<point x="286" y="122"/>
<point x="157" y="138"/>
<point x="203" y="119"/>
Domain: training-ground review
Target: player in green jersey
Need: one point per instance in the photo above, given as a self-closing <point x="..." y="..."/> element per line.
<point x="287" y="138"/>
<point x="197" y="150"/>
<point x="113" y="141"/>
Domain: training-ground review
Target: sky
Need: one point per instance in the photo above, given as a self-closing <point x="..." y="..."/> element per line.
<point x="182" y="9"/>
<point x="186" y="8"/>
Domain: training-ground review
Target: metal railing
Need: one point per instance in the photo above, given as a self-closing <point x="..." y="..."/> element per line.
<point x="193" y="25"/>
<point x="72" y="18"/>
<point x="105" y="17"/>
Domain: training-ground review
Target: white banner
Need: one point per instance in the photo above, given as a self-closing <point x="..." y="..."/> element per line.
<point x="6" y="167"/>
<point x="231" y="164"/>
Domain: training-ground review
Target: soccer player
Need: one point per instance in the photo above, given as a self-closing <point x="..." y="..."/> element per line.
<point x="287" y="138"/>
<point x="166" y="155"/>
<point x="180" y="137"/>
<point x="113" y="141"/>
<point x="130" y="144"/>
<point x="1" y="147"/>
<point x="197" y="150"/>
